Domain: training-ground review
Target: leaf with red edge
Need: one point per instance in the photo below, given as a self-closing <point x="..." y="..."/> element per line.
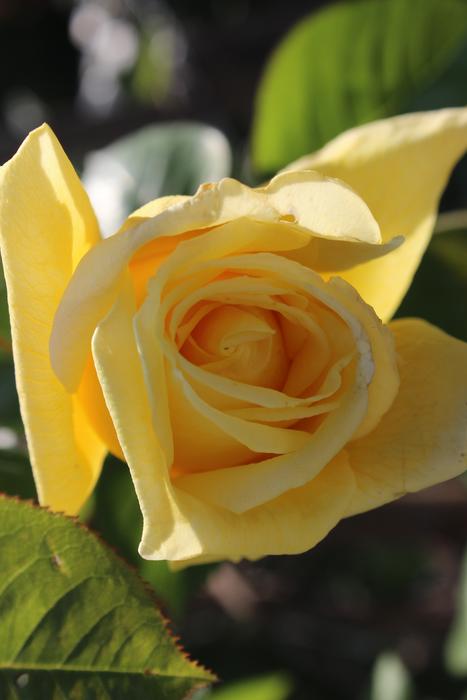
<point x="76" y="621"/>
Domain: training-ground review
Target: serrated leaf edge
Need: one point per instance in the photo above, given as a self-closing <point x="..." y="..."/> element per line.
<point x="209" y="677"/>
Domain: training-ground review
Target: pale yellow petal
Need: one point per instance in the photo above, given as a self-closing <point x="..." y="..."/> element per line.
<point x="237" y="392"/>
<point x="285" y="414"/>
<point x="384" y="383"/>
<point x="247" y="487"/>
<point x="328" y="207"/>
<point x="422" y="440"/>
<point x="173" y="404"/>
<point x="121" y="377"/>
<point x="330" y="256"/>
<point x="400" y="167"/>
<point x="250" y="485"/>
<point x="98" y="278"/>
<point x="203" y="445"/>
<point x="247" y="345"/>
<point x="46" y="225"/>
<point x="259" y="438"/>
<point x="289" y="524"/>
<point x="177" y="526"/>
<point x="151" y="209"/>
<point x="90" y="398"/>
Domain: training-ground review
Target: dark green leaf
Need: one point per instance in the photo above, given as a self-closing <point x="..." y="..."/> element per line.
<point x="76" y="621"/>
<point x="348" y="64"/>
<point x="158" y="160"/>
<point x="63" y="685"/>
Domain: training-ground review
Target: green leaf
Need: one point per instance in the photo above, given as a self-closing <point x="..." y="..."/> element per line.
<point x="76" y="621"/>
<point x="456" y="644"/>
<point x="276" y="686"/>
<point x="173" y="158"/>
<point x="440" y="285"/>
<point x="351" y="63"/>
<point x="122" y="526"/>
<point x="390" y="679"/>
<point x="56" y="685"/>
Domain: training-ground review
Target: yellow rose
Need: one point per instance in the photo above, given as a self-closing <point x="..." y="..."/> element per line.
<point x="229" y="345"/>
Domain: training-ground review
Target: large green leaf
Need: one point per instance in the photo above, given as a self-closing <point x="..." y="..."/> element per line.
<point x="76" y="622"/>
<point x="173" y="158"/>
<point x="351" y="63"/>
<point x="63" y="685"/>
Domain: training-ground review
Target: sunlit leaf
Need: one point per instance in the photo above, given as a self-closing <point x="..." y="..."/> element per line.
<point x="76" y="622"/>
<point x="351" y="63"/>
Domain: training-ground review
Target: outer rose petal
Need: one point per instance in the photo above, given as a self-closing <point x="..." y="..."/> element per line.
<point x="400" y="167"/>
<point x="316" y="208"/>
<point x="422" y="440"/>
<point x="178" y="526"/>
<point x="150" y="209"/>
<point x="46" y="225"/>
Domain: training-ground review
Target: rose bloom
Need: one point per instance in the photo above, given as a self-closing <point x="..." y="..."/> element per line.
<point x="231" y="346"/>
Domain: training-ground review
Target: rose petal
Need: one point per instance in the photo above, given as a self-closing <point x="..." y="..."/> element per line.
<point x="98" y="278"/>
<point x="176" y="525"/>
<point x="46" y="225"/>
<point x="257" y="437"/>
<point x="384" y="383"/>
<point x="422" y="440"/>
<point x="328" y="207"/>
<point x="151" y="209"/>
<point x="125" y="391"/>
<point x="290" y="524"/>
<point x="400" y="167"/>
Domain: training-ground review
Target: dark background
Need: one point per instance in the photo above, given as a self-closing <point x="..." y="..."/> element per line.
<point x="222" y="47"/>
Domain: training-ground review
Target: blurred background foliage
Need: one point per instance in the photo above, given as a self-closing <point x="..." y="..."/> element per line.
<point x="152" y="97"/>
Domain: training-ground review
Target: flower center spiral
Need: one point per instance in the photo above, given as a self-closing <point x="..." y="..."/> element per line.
<point x="243" y="343"/>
